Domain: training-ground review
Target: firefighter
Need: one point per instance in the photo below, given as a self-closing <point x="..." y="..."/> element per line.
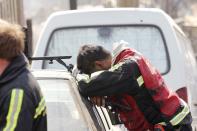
<point x="133" y="81"/>
<point x="22" y="106"/>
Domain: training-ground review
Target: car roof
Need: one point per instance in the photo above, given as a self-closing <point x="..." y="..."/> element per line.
<point x="135" y="13"/>
<point x="50" y="73"/>
<point x="106" y="16"/>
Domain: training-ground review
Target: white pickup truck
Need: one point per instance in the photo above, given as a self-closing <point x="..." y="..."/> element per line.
<point x="150" y="31"/>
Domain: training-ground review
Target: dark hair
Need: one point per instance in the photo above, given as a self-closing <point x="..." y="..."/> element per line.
<point x="87" y="56"/>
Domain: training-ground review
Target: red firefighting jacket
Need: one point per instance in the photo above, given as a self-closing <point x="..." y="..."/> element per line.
<point x="133" y="82"/>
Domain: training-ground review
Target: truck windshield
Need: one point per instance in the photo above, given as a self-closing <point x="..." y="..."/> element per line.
<point x="62" y="112"/>
<point x="146" y="39"/>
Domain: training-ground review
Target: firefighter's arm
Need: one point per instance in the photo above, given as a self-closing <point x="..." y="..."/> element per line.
<point x="117" y="80"/>
<point x="16" y="112"/>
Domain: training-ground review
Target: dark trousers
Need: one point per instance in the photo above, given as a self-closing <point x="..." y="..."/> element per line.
<point x="186" y="128"/>
<point x="186" y="123"/>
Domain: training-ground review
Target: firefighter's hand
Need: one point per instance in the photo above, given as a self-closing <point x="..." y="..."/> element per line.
<point x="98" y="100"/>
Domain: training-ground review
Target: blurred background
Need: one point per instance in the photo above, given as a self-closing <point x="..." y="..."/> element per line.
<point x="34" y="13"/>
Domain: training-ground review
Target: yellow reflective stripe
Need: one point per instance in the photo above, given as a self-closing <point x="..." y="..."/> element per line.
<point x="140" y="81"/>
<point x="40" y="108"/>
<point x="83" y="77"/>
<point x="44" y="113"/>
<point x="179" y="117"/>
<point x="162" y="123"/>
<point x="116" y="66"/>
<point x="86" y="78"/>
<point x="96" y="73"/>
<point x="14" y="109"/>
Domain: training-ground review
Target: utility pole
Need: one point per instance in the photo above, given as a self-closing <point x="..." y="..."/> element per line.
<point x="73" y="4"/>
<point x="128" y="3"/>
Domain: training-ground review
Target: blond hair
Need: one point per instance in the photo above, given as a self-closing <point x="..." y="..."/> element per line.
<point x="11" y="40"/>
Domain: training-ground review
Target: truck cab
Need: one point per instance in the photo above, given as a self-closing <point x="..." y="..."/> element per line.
<point x="150" y="31"/>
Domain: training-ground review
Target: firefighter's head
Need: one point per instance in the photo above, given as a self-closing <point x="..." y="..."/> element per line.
<point x="11" y="40"/>
<point x="93" y="58"/>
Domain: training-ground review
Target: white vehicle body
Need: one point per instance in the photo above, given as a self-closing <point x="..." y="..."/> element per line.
<point x="174" y="58"/>
<point x="66" y="111"/>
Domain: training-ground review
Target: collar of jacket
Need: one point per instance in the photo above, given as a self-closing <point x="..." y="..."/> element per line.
<point x="17" y="66"/>
<point x="125" y="54"/>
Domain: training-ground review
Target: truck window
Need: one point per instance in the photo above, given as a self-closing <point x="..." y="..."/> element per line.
<point x="146" y="39"/>
<point x="62" y="112"/>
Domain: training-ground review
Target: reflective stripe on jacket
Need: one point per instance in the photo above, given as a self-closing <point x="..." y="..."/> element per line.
<point x="153" y="99"/>
<point x="22" y="107"/>
<point x="167" y="102"/>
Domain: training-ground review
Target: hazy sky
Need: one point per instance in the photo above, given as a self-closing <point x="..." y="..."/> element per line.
<point x="39" y="10"/>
